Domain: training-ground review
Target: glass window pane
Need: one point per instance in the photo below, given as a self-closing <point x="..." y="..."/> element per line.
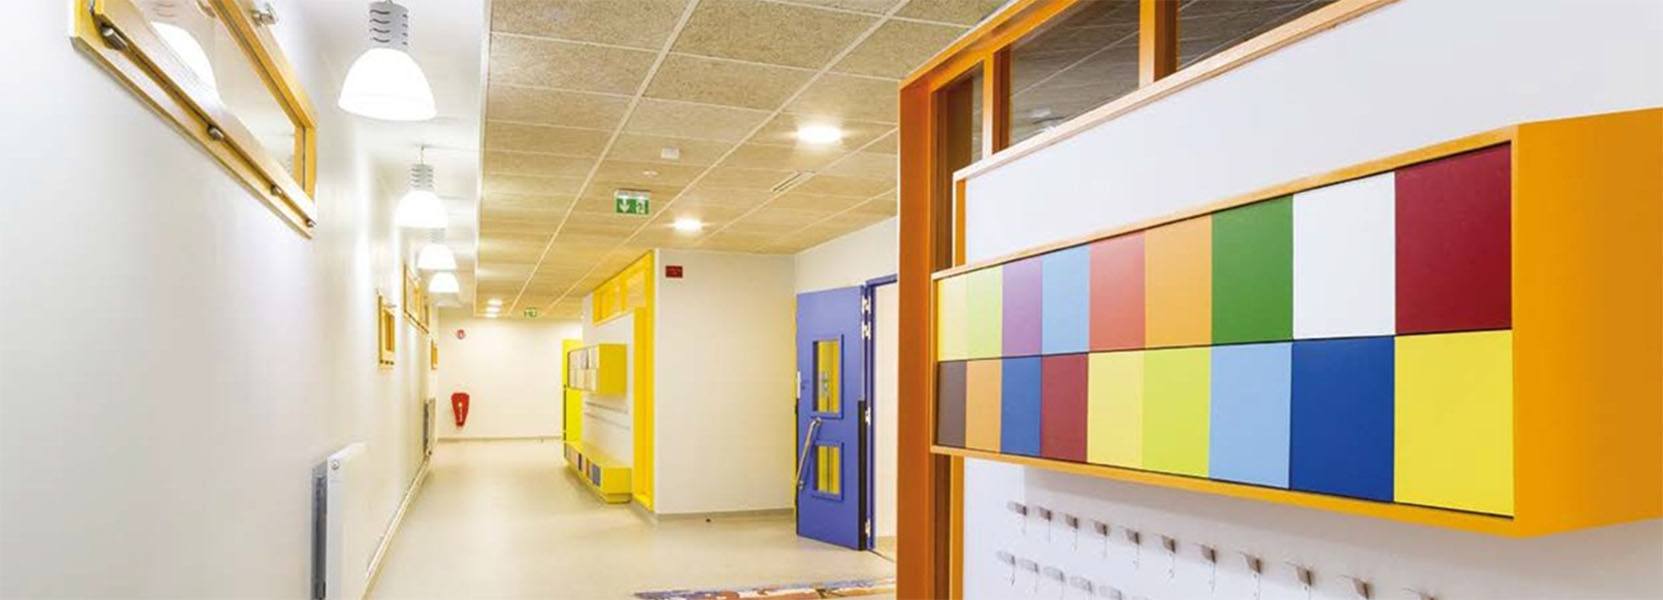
<point x="1087" y="57"/>
<point x="207" y="48"/>
<point x="1207" y="27"/>
<point x="827" y="373"/>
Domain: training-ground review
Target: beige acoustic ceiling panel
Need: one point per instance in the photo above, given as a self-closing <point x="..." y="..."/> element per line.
<point x="698" y="103"/>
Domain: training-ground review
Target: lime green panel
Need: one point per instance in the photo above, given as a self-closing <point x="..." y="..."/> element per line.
<point x="1176" y="415"/>
<point x="951" y="330"/>
<point x="985" y="293"/>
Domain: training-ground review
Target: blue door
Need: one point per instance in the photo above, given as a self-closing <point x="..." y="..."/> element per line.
<point x="831" y="405"/>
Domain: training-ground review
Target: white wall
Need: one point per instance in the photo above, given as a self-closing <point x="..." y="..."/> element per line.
<point x="609" y="421"/>
<point x="510" y="369"/>
<point x="1407" y="75"/>
<point x="723" y="377"/>
<point x="850" y="259"/>
<point x="174" y="358"/>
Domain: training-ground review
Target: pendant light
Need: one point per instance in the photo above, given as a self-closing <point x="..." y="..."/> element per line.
<point x="420" y="208"/>
<point x="436" y="256"/>
<point x="385" y="83"/>
<point x="444" y="282"/>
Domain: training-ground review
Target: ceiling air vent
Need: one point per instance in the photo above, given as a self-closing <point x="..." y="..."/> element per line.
<point x="790" y="181"/>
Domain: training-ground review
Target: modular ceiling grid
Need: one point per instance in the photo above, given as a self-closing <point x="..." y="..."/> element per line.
<point x="697" y="102"/>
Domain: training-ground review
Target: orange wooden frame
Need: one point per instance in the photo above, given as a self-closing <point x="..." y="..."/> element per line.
<point x="932" y="233"/>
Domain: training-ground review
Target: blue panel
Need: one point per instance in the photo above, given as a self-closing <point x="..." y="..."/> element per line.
<point x="1065" y="313"/>
<point x="1252" y="389"/>
<point x="1020" y="409"/>
<point x="1343" y="417"/>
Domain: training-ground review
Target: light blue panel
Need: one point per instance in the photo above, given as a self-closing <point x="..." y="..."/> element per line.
<point x="1252" y="394"/>
<point x="1065" y="318"/>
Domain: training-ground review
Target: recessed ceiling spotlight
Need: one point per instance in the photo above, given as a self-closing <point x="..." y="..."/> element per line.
<point x="490" y="315"/>
<point x="494" y="302"/>
<point x="688" y="225"/>
<point x="819" y="133"/>
<point x="649" y="173"/>
<point x="670" y="153"/>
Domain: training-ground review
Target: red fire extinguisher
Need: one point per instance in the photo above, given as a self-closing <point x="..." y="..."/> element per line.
<point x="459" y="407"/>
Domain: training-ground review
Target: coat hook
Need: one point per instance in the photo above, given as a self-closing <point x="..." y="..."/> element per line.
<point x="1420" y="595"/>
<point x="1361" y="587"/>
<point x="1108" y="591"/>
<point x="1306" y="576"/>
<point x="1170" y="543"/>
<point x="1081" y="583"/>
<point x="1101" y="528"/>
<point x="1254" y="563"/>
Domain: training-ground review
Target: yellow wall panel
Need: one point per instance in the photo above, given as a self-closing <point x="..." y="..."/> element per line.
<point x="1177" y="417"/>
<point x="1454" y="439"/>
<point x="951" y="330"/>
<point x="1114" y="409"/>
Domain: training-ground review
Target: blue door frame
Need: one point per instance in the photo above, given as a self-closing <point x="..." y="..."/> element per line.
<point x="846" y="315"/>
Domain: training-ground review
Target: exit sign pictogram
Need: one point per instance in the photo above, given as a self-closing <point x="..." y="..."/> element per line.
<point x="631" y="202"/>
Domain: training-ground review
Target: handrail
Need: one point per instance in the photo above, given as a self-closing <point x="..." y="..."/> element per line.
<point x="802" y="459"/>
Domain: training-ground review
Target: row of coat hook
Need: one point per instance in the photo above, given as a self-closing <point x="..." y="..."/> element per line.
<point x="1256" y="565"/>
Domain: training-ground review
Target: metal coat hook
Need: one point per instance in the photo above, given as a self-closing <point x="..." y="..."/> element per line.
<point x="1010" y="561"/>
<point x="1257" y="566"/>
<point x="1361" y="587"/>
<point x="1021" y="512"/>
<point x="1103" y="530"/>
<point x="1210" y="554"/>
<point x="1045" y="514"/>
<point x="1306" y="577"/>
<point x="1108" y="591"/>
<point x="1171" y="545"/>
<point x="1031" y="567"/>
<point x="1136" y="539"/>
<point x="1082" y="584"/>
<point x="1072" y="522"/>
<point x="1420" y="595"/>
<point x="1060" y="577"/>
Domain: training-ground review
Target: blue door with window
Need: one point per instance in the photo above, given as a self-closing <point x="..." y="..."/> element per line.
<point x="831" y="409"/>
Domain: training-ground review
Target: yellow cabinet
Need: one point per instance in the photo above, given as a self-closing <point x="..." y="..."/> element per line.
<point x="598" y="369"/>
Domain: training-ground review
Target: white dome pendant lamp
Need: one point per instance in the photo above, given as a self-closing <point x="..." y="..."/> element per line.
<point x="420" y="208"/>
<point x="444" y="282"/>
<point x="385" y="83"/>
<point x="435" y="255"/>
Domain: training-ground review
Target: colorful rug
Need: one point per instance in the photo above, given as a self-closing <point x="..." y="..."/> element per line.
<point x="786" y="591"/>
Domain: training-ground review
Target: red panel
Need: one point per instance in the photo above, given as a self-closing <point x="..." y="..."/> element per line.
<point x="1117" y="293"/>
<point x="1062" y="428"/>
<point x="1454" y="243"/>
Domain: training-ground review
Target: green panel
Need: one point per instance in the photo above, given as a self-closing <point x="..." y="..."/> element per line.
<point x="1253" y="272"/>
<point x="986" y="298"/>
<point x="1176" y="411"/>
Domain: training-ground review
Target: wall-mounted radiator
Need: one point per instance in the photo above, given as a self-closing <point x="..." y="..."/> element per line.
<point x="334" y="494"/>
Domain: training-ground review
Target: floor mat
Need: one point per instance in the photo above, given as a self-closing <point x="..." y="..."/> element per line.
<point x="787" y="591"/>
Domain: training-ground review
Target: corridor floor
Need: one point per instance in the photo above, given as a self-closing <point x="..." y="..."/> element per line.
<point x="506" y="520"/>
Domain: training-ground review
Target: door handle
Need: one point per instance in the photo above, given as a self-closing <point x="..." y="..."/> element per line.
<point x="802" y="460"/>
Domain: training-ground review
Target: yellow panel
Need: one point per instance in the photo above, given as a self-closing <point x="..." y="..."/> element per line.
<point x="982" y="409"/>
<point x="984" y="303"/>
<point x="1454" y="420"/>
<point x="828" y="374"/>
<point x="952" y="333"/>
<point x="1114" y="409"/>
<point x="828" y="467"/>
<point x="571" y="400"/>
<point x="1177" y="387"/>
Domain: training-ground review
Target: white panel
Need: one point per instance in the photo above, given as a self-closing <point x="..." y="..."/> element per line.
<point x="885" y="407"/>
<point x="1344" y="259"/>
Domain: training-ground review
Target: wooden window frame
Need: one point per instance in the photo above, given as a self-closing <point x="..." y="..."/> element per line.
<point x="117" y="36"/>
<point x="930" y="509"/>
<point x="386" y="332"/>
<point x="417" y="308"/>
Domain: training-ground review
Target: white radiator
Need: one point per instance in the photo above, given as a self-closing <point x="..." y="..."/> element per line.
<point x="335" y="502"/>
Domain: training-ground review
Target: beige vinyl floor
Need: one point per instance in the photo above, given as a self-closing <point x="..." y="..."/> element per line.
<point x="506" y="519"/>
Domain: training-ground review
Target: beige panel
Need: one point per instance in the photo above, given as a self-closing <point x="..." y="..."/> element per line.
<point x="782" y="130"/>
<point x="888" y="144"/>
<point x="704" y="193"/>
<point x="838" y="185"/>
<point x="646" y="175"/>
<point x="680" y="119"/>
<point x="568" y="141"/>
<point x="531" y="186"/>
<point x="849" y="97"/>
<point x="545" y="165"/>
<point x="796" y="199"/>
<point x="768" y="32"/>
<point x="649" y="148"/>
<point x="784" y="219"/>
<point x="545" y="225"/>
<point x="503" y="201"/>
<point x="711" y="214"/>
<point x="962" y="12"/>
<point x="548" y="107"/>
<point x="866" y="6"/>
<point x="541" y="62"/>
<point x="742" y="178"/>
<point x="735" y="242"/>
<point x="897" y="48"/>
<point x="870" y="165"/>
<point x="500" y="272"/>
<point x="712" y="81"/>
<point x="635" y="23"/>
<point x="801" y="157"/>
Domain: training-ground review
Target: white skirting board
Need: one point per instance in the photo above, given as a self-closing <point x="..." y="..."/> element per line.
<point x="392" y="527"/>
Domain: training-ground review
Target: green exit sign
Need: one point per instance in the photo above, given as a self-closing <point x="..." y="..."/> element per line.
<point x="532" y="313"/>
<point x="631" y="202"/>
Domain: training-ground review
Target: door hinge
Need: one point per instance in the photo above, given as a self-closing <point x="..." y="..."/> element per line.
<point x="868" y="528"/>
<point x="865" y="330"/>
<point x="797" y="390"/>
<point x="865" y="412"/>
<point x="865" y="305"/>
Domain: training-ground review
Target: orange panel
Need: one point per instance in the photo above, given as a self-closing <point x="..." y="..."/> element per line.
<point x="982" y="384"/>
<point x="1587" y="322"/>
<point x="1178" y="283"/>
